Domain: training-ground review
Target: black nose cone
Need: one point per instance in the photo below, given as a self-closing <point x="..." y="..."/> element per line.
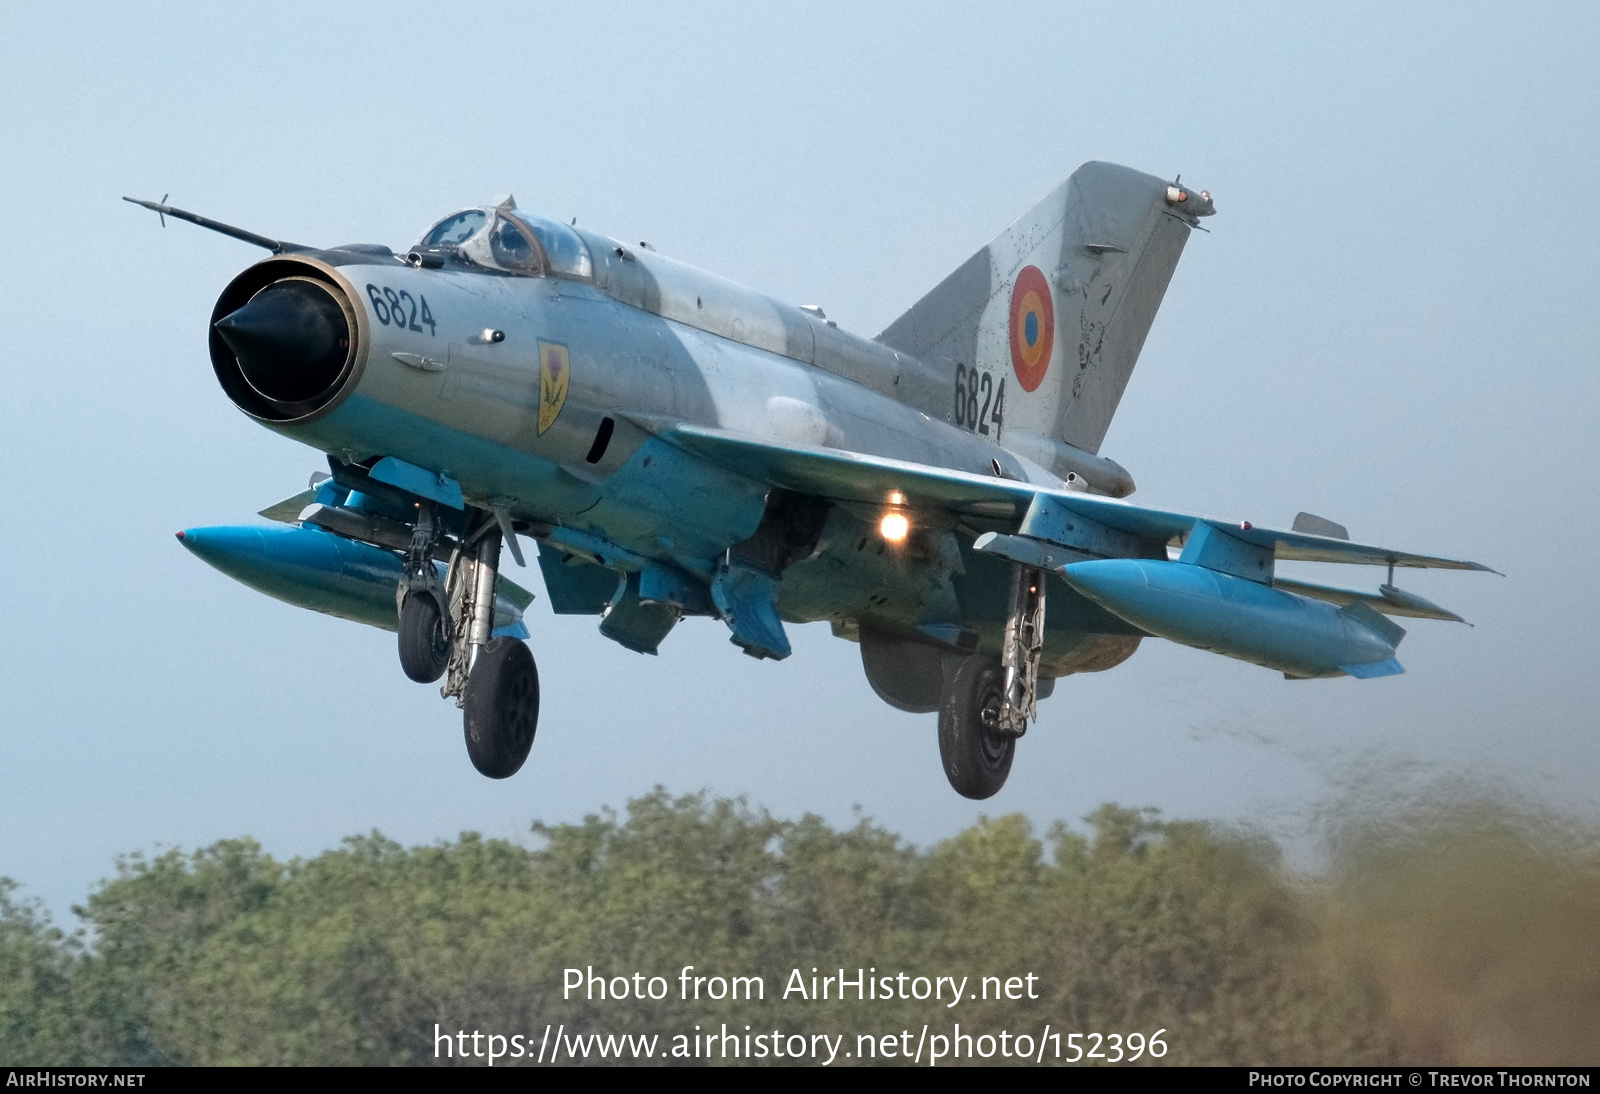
<point x="291" y="340"/>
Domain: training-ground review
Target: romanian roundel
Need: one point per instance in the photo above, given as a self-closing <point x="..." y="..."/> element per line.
<point x="1033" y="327"/>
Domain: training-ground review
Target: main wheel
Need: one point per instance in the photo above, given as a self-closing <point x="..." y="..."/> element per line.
<point x="501" y="708"/>
<point x="976" y="755"/>
<point x="424" y="639"/>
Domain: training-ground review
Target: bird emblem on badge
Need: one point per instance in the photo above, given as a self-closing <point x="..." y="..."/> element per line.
<point x="555" y="373"/>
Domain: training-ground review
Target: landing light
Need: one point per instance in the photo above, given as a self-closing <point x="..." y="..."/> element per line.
<point x="894" y="527"/>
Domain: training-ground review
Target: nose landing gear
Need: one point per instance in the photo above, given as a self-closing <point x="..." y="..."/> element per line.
<point x="424" y="638"/>
<point x="424" y="628"/>
<point x="494" y="680"/>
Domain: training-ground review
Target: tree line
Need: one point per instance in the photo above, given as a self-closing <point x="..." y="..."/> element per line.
<point x="1460" y="931"/>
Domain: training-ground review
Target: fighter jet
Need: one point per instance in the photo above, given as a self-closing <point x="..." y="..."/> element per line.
<point x="678" y="445"/>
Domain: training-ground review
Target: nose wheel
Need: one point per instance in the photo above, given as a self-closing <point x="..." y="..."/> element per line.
<point x="425" y="632"/>
<point x="424" y="638"/>
<point x="500" y="711"/>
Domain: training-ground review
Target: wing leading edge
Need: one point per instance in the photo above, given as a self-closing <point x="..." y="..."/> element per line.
<point x="857" y="477"/>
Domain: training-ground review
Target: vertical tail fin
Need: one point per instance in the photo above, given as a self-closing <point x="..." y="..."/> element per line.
<point x="1056" y="310"/>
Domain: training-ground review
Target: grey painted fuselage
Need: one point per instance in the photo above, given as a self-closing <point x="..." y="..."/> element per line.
<point x="648" y="344"/>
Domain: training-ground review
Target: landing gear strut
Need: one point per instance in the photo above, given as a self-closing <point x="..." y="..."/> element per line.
<point x="1024" y="643"/>
<point x="494" y="680"/>
<point x="986" y="705"/>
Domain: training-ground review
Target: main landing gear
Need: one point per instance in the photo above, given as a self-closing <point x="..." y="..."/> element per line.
<point x="446" y="629"/>
<point x="985" y="705"/>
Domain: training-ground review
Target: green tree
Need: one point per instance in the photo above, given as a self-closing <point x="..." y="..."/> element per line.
<point x="37" y="1013"/>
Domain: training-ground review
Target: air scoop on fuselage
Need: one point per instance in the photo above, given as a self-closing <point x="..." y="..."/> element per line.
<point x="291" y="340"/>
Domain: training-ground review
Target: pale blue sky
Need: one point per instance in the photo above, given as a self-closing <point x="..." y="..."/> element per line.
<point x="1391" y="324"/>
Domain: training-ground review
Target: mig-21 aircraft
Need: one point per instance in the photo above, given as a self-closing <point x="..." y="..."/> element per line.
<point x="679" y="445"/>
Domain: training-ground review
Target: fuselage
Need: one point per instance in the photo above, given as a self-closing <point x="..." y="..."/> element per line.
<point x="545" y="395"/>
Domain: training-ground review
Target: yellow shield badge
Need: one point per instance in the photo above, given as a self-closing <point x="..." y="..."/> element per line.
<point x="554" y="373"/>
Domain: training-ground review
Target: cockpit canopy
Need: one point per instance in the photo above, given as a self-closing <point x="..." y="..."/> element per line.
<point x="507" y="240"/>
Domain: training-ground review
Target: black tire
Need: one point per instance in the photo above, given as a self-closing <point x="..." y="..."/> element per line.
<point x="977" y="757"/>
<point x="424" y="641"/>
<point x="501" y="708"/>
